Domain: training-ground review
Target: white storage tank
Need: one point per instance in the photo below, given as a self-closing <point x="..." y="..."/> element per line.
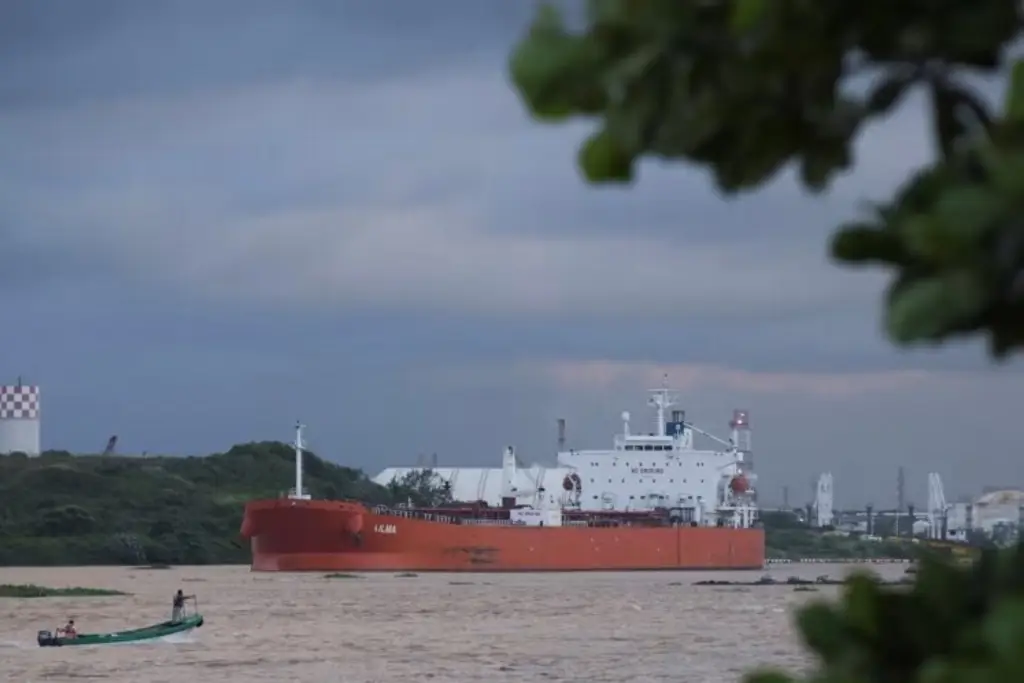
<point x="19" y="419"/>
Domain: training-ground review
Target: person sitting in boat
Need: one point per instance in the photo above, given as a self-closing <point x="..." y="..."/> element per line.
<point x="68" y="630"/>
<point x="178" y="605"/>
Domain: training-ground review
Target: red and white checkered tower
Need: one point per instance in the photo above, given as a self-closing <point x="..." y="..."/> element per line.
<point x="19" y="418"/>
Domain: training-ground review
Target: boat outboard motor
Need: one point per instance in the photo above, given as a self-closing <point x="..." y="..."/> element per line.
<point x="46" y="639"/>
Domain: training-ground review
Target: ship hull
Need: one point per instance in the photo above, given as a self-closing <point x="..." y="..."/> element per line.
<point x="302" y="535"/>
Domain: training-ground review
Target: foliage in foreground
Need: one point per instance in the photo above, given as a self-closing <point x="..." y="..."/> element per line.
<point x="60" y="509"/>
<point x="746" y="88"/>
<point x="30" y="590"/>
<point x="952" y="625"/>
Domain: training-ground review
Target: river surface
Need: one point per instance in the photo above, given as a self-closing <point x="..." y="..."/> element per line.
<point x="590" y="627"/>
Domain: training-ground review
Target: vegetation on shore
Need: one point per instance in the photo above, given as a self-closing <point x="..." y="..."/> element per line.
<point x="60" y="509"/>
<point x="787" y="538"/>
<point x="30" y="590"/>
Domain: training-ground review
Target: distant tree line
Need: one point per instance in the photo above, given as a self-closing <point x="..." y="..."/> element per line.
<point x="64" y="509"/>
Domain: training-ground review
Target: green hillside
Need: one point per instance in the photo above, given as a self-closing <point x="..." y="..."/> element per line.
<point x="64" y="509"/>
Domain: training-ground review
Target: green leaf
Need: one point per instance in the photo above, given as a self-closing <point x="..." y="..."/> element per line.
<point x="606" y="11"/>
<point x="1005" y="169"/>
<point x="950" y="128"/>
<point x="862" y="601"/>
<point x="967" y="214"/>
<point x="821" y="161"/>
<point x="549" y="18"/>
<point x="1013" y="108"/>
<point x="928" y="308"/>
<point x="888" y="92"/>
<point x="746" y="14"/>
<point x="603" y="159"/>
<point x="768" y="676"/>
<point x="1004" y="628"/>
<point x="538" y="70"/>
<point x="862" y="243"/>
<point x="823" y="630"/>
<point x="556" y="73"/>
<point x="634" y="65"/>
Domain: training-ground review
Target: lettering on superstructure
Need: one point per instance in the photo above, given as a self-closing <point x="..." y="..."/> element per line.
<point x="385" y="529"/>
<point x="648" y="470"/>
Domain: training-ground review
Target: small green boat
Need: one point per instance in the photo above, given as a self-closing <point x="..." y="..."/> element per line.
<point x="167" y="628"/>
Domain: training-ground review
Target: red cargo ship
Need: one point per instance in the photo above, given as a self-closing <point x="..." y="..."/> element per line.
<point x="674" y="526"/>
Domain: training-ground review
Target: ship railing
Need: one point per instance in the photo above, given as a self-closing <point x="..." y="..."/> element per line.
<point x="485" y="522"/>
<point x="416" y="514"/>
<point x="437" y="517"/>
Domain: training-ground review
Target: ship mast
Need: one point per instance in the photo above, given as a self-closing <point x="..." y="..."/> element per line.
<point x="298" y="494"/>
<point x="662" y="400"/>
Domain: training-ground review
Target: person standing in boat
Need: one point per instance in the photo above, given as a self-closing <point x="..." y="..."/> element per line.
<point x="178" y="605"/>
<point x="68" y="631"/>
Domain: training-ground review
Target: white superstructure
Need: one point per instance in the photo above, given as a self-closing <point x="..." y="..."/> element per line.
<point x="998" y="514"/>
<point x="660" y="469"/>
<point x="824" y="513"/>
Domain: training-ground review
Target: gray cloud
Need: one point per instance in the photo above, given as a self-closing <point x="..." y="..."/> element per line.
<point x="64" y="53"/>
<point x="218" y="216"/>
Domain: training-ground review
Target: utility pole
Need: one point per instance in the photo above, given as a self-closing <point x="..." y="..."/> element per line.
<point x="900" y="497"/>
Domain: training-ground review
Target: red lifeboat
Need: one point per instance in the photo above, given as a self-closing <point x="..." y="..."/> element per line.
<point x="739" y="484"/>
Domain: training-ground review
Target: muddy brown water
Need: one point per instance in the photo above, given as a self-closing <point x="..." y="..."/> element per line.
<point x="504" y="628"/>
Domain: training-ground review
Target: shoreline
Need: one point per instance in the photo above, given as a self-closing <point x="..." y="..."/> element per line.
<point x="828" y="560"/>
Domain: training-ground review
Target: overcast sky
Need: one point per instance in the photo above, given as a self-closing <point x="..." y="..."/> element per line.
<point x="216" y="217"/>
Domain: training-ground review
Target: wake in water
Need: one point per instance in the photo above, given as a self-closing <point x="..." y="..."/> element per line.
<point x="185" y="638"/>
